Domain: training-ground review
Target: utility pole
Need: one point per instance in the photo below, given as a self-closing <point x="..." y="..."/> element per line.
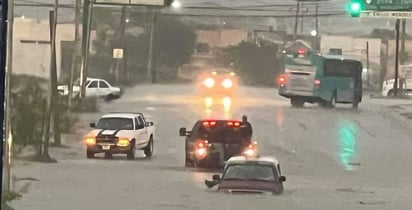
<point x="75" y="54"/>
<point x="317" y="19"/>
<point x="295" y="31"/>
<point x="53" y="78"/>
<point x="395" y="84"/>
<point x="301" y="18"/>
<point x="9" y="13"/>
<point x="9" y="74"/>
<point x="403" y="36"/>
<point x="51" y="105"/>
<point x="151" y="75"/>
<point x="119" y="67"/>
<point x="3" y="57"/>
<point x="87" y="19"/>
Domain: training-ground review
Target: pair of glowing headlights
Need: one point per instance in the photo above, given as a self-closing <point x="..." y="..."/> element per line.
<point x="210" y="82"/>
<point x="123" y="142"/>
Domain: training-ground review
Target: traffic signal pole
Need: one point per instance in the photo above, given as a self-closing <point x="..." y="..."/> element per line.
<point x="395" y="84"/>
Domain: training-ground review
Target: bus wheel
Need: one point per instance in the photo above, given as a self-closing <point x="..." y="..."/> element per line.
<point x="332" y="102"/>
<point x="297" y="102"/>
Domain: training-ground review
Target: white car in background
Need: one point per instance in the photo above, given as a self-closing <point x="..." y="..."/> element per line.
<point x="94" y="88"/>
<point x="387" y="87"/>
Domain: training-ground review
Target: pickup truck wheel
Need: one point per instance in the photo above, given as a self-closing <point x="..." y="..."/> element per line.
<point x="131" y="153"/>
<point x="148" y="150"/>
<point x="90" y="154"/>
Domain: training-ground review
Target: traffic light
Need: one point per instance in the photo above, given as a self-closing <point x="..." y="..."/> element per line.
<point x="355" y="7"/>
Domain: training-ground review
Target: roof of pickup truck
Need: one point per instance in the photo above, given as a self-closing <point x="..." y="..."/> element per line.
<point x="122" y="115"/>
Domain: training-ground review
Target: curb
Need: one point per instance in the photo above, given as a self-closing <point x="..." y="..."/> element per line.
<point x="395" y="114"/>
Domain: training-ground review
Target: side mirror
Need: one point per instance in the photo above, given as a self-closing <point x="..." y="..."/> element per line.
<point x="216" y="177"/>
<point x="93" y="125"/>
<point x="282" y="178"/>
<point x="182" y="132"/>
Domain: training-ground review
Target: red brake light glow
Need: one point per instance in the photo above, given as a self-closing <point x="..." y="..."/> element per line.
<point x="233" y="123"/>
<point x="282" y="79"/>
<point x="209" y="123"/>
<point x="317" y="82"/>
<point x="301" y="51"/>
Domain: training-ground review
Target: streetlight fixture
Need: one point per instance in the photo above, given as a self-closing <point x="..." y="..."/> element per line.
<point x="176" y="4"/>
<point x="314" y="33"/>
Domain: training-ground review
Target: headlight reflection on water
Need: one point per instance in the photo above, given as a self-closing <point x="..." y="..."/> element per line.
<point x="221" y="107"/>
<point x="348" y="134"/>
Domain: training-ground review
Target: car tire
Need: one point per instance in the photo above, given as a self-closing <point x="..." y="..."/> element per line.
<point x="90" y="154"/>
<point x="391" y="93"/>
<point x="148" y="150"/>
<point x="131" y="153"/>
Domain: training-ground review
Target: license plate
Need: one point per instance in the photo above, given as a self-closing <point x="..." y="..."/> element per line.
<point x="106" y="147"/>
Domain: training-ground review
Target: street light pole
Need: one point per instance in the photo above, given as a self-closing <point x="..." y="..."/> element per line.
<point x="295" y="31"/>
<point x="150" y="64"/>
<point x="395" y="84"/>
<point x="3" y="57"/>
<point x="9" y="74"/>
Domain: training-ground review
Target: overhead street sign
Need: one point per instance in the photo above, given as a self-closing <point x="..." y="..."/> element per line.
<point x="133" y="2"/>
<point x="388" y="5"/>
<point x="387" y="14"/>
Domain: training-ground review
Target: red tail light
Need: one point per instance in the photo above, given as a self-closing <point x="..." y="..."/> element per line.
<point x="317" y="82"/>
<point x="201" y="149"/>
<point x="201" y="143"/>
<point x="233" y="123"/>
<point x="282" y="79"/>
<point x="209" y="123"/>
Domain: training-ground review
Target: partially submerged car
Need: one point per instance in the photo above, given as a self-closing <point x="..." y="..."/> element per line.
<point x="256" y="175"/>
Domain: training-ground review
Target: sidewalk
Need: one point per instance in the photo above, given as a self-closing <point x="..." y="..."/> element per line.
<point x="399" y="110"/>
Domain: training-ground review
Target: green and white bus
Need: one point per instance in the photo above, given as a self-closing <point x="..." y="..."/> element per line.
<point x="324" y="79"/>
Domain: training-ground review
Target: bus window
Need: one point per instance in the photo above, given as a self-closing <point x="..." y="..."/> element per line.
<point x="340" y="68"/>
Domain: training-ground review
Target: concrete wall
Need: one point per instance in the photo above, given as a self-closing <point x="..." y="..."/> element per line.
<point x="31" y="46"/>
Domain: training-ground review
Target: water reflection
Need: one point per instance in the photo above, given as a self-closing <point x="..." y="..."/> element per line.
<point x="219" y="107"/>
<point x="348" y="134"/>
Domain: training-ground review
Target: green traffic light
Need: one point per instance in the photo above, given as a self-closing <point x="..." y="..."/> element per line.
<point x="355" y="7"/>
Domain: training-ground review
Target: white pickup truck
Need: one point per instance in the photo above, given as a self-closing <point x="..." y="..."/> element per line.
<point x="121" y="133"/>
<point x="94" y="88"/>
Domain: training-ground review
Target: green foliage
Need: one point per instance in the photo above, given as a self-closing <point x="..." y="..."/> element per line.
<point x="256" y="65"/>
<point x="8" y="196"/>
<point x="88" y="104"/>
<point x="27" y="103"/>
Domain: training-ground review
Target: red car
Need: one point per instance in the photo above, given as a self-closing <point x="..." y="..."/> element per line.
<point x="242" y="174"/>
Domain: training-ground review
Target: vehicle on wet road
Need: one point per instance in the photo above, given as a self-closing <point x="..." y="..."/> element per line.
<point x="250" y="175"/>
<point x="324" y="79"/>
<point x="95" y="87"/>
<point x="212" y="142"/>
<point x="120" y="133"/>
<point x="217" y="81"/>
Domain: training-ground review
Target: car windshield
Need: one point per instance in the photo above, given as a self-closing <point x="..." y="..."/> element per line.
<point x="249" y="172"/>
<point x="115" y="124"/>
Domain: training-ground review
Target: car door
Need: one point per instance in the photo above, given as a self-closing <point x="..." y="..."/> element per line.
<point x="141" y="132"/>
<point x="92" y="89"/>
<point x="104" y="88"/>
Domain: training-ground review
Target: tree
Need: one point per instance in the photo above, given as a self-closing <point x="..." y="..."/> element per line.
<point x="255" y="64"/>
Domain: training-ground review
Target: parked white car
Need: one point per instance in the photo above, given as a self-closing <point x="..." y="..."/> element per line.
<point x="95" y="87"/>
<point x="387" y="87"/>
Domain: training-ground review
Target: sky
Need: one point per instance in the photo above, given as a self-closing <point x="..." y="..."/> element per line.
<point x="336" y="24"/>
